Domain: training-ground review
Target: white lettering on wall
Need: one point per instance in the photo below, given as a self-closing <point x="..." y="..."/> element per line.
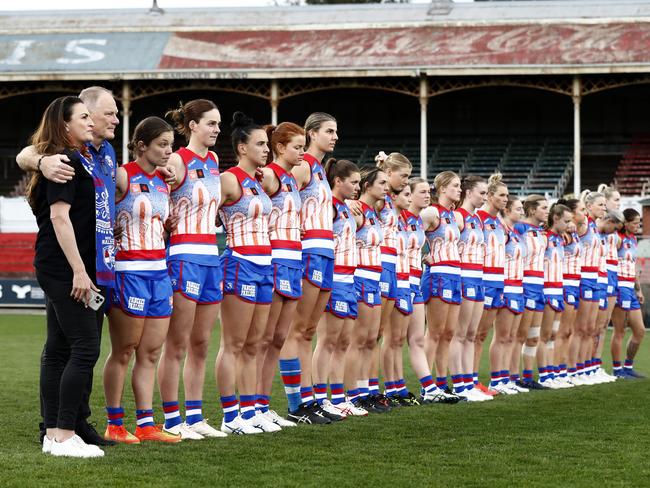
<point x="87" y="55"/>
<point x="19" y="52"/>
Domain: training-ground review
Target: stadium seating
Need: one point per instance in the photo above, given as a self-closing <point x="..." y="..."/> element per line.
<point x="633" y="171"/>
<point x="17" y="254"/>
<point x="529" y="165"/>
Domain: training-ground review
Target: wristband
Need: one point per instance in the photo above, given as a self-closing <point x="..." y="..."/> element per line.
<point x="38" y="165"/>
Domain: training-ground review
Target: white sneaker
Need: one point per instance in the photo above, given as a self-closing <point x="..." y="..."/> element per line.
<point x="576" y="380"/>
<point x="351" y="410"/>
<point x="239" y="426"/>
<point x="329" y="407"/>
<point x="273" y="416"/>
<point x="549" y="383"/>
<point x="47" y="445"/>
<point x="519" y="389"/>
<point x="593" y="379"/>
<point x="75" y="447"/>
<point x="184" y="431"/>
<point x="564" y="382"/>
<point x="504" y="389"/>
<point x="261" y="422"/>
<point x="471" y="395"/>
<point x="480" y="395"/>
<point x="606" y="377"/>
<point x="204" y="429"/>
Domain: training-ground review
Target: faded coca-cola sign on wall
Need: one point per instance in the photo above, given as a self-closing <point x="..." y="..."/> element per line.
<point x="535" y="45"/>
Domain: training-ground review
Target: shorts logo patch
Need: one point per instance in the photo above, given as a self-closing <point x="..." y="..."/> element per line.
<point x="602" y="303"/>
<point x="385" y="287"/>
<point x="285" y="285"/>
<point x="248" y="291"/>
<point x="229" y="286"/>
<point x="403" y="304"/>
<point x="371" y="297"/>
<point x="588" y="294"/>
<point x="174" y="281"/>
<point x="488" y="301"/>
<point x="627" y="303"/>
<point x="447" y="294"/>
<point x="470" y="292"/>
<point x="610" y="289"/>
<point x="317" y="276"/>
<point x="554" y="303"/>
<point x="341" y="307"/>
<point x="192" y="287"/>
<point x="530" y="303"/>
<point x="571" y="299"/>
<point x="514" y="304"/>
<point x="136" y="304"/>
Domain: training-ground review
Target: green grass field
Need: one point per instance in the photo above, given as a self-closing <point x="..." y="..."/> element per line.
<point x="587" y="436"/>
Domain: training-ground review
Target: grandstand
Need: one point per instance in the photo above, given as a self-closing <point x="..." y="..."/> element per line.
<point x="552" y="94"/>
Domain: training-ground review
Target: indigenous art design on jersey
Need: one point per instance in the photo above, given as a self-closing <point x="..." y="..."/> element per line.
<point x="415" y="242"/>
<point x="494" y="235"/>
<point x="142" y="212"/>
<point x="284" y="220"/>
<point x="535" y="248"/>
<point x="316" y="212"/>
<point x="345" y="253"/>
<point x="592" y="248"/>
<point x="369" y="238"/>
<point x="471" y="245"/>
<point x="573" y="257"/>
<point x="246" y="221"/>
<point x="197" y="201"/>
<point x="402" y="266"/>
<point x="388" y="218"/>
<point x="626" y="255"/>
<point x="443" y="240"/>
<point x="553" y="257"/>
<point x="611" y="250"/>
<point x="515" y="253"/>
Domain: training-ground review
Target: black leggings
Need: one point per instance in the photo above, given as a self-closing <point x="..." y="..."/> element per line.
<point x="69" y="356"/>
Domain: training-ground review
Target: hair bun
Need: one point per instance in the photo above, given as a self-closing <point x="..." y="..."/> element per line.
<point x="381" y="157"/>
<point x="240" y="120"/>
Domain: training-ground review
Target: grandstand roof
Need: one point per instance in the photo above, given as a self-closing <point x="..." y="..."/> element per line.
<point x="519" y="37"/>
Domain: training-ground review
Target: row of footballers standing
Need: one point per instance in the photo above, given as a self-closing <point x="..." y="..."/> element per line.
<point x="304" y="238"/>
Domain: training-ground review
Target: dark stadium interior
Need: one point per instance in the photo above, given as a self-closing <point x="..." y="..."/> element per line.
<point x="478" y="125"/>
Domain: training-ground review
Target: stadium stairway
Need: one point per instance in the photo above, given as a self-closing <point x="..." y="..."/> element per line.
<point x="17" y="254"/>
<point x="633" y="171"/>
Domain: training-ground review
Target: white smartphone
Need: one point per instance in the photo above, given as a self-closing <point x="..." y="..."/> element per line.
<point x="96" y="300"/>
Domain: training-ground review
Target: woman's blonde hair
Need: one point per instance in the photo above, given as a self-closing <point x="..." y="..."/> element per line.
<point x="495" y="181"/>
<point x="392" y="162"/>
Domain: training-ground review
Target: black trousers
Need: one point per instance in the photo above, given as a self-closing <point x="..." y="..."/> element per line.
<point x="69" y="356"/>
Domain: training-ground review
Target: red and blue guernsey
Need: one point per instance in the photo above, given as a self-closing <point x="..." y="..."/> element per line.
<point x="368" y="240"/>
<point x="284" y="221"/>
<point x="471" y="246"/>
<point x="536" y="249"/>
<point x="494" y="235"/>
<point x="573" y="257"/>
<point x="443" y="243"/>
<point x="197" y="201"/>
<point x="316" y="213"/>
<point x="627" y="253"/>
<point x="141" y="212"/>
<point x="247" y="221"/>
<point x="388" y="218"/>
<point x="416" y="238"/>
<point x="593" y="251"/>
<point x="553" y="270"/>
<point x="345" y="255"/>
